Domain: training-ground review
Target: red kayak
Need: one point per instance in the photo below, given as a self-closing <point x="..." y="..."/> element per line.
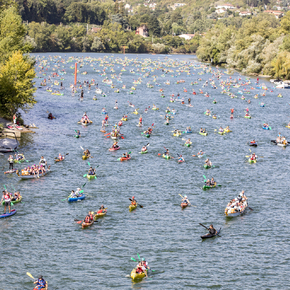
<point x="120" y="123"/>
<point x="184" y="205"/>
<point x="114" y="149"/>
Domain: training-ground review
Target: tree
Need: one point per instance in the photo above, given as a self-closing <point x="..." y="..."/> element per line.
<point x="97" y="44"/>
<point x="16" y="84"/>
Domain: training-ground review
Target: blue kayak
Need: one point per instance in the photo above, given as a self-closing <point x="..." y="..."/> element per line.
<point x="71" y="199"/>
<point x="266" y="128"/>
<point x="13" y="211"/>
<point x="187" y="132"/>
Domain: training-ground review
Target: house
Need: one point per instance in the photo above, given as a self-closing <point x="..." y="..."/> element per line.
<point x="186" y="36"/>
<point x="142" y="30"/>
<point x="152" y="6"/>
<point x="225" y="6"/>
<point x="96" y="29"/>
<point x="127" y="6"/>
<point x="276" y="13"/>
<point x="179" y="4"/>
<point x="220" y="10"/>
<point x="245" y="13"/>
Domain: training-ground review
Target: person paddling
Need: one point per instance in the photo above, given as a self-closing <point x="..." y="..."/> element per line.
<point x="92" y="171"/>
<point x="133" y="200"/>
<point x="40" y="283"/>
<point x="42" y="161"/>
<point x="10" y="161"/>
<point x="212" y="230"/>
<point x="185" y="200"/>
<point x="7" y="199"/>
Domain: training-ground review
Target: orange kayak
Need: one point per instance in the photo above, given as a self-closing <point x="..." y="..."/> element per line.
<point x="85" y="225"/>
<point x="184" y="205"/>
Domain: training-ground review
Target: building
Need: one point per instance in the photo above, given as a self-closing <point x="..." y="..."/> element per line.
<point x="127" y="6"/>
<point x="245" y="13"/>
<point x="186" y="36"/>
<point x="96" y="29"/>
<point x="220" y="10"/>
<point x="179" y="4"/>
<point x="276" y="13"/>
<point x="225" y="6"/>
<point x="142" y="30"/>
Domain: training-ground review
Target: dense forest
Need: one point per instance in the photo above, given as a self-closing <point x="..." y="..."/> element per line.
<point x="258" y="43"/>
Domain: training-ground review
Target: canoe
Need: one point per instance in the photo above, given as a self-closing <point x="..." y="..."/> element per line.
<point x="188" y="144"/>
<point x="13" y="211"/>
<point x="231" y="212"/>
<point x="166" y="156"/>
<point x="72" y="199"/>
<point x="114" y="149"/>
<point x="248" y="117"/>
<point x="99" y="215"/>
<point x="124" y="158"/>
<point x="89" y="177"/>
<point x="13" y="201"/>
<point x="207" y="236"/>
<point x="183" y="205"/>
<point x="144" y="152"/>
<point x="206" y="166"/>
<point x="209" y="186"/>
<point x="85" y="225"/>
<point x="32" y="176"/>
<point x="203" y="134"/>
<point x="252" y="161"/>
<point x="132" y="207"/>
<point x="85" y="157"/>
<point x="137" y="276"/>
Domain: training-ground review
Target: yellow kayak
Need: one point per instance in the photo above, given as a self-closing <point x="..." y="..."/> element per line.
<point x="135" y="112"/>
<point x="176" y="134"/>
<point x="124" y="119"/>
<point x="227" y="130"/>
<point x="132" y="207"/>
<point x="85" y="157"/>
<point x="99" y="215"/>
<point x="137" y="276"/>
<point x="288" y="127"/>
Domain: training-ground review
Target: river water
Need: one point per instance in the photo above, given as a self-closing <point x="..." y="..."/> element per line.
<point x="42" y="238"/>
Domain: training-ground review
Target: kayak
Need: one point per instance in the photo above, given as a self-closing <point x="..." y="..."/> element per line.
<point x="137" y="276"/>
<point x="183" y="205"/>
<point x="135" y="112"/>
<point x="176" y="134"/>
<point x="99" y="215"/>
<point x="266" y="128"/>
<point x="71" y="199"/>
<point x="76" y="136"/>
<point x="155" y="109"/>
<point x="203" y="134"/>
<point x="248" y="117"/>
<point x="253" y="144"/>
<point x="144" y="152"/>
<point x="227" y="130"/>
<point x="187" y="132"/>
<point x="124" y="158"/>
<point x="89" y="177"/>
<point x="124" y="119"/>
<point x="147" y="135"/>
<point x="13" y="211"/>
<point x="132" y="207"/>
<point x="166" y="123"/>
<point x="57" y="160"/>
<point x="188" y="144"/>
<point x="180" y="161"/>
<point x="222" y="133"/>
<point x="287" y="127"/>
<point x="85" y="157"/>
<point x="252" y="161"/>
<point x="85" y="225"/>
<point x="114" y="149"/>
<point x="211" y="235"/>
<point x="209" y="186"/>
<point x="21" y="160"/>
<point x="166" y="156"/>
<point x="10" y="171"/>
<point x="206" y="166"/>
<point x="13" y="201"/>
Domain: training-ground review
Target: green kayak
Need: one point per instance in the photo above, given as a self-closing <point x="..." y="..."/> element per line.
<point x="166" y="123"/>
<point x="206" y="166"/>
<point x="144" y="152"/>
<point x="188" y="144"/>
<point x="209" y="186"/>
<point x="14" y="201"/>
<point x="91" y="176"/>
<point x="76" y="136"/>
<point x="166" y="156"/>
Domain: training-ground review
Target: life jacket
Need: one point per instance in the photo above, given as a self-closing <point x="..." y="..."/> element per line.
<point x="7" y="197"/>
<point x="41" y="283"/>
<point x="100" y="211"/>
<point x="87" y="219"/>
<point x="91" y="217"/>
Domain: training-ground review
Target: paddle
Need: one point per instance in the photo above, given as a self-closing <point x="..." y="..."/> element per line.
<point x="133" y="259"/>
<point x="28" y="274"/>
<point x="208" y="229"/>
<point x="64" y="155"/>
<point x="138" y="203"/>
<point x="138" y="257"/>
<point x="204" y="178"/>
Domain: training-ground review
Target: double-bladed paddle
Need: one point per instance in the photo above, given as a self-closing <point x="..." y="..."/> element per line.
<point x="137" y="203"/>
<point x="208" y="229"/>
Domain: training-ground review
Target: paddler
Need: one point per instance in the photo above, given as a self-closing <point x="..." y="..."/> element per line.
<point x="133" y="200"/>
<point x="221" y="129"/>
<point x="185" y="200"/>
<point x="144" y="148"/>
<point x="212" y="181"/>
<point x="232" y="110"/>
<point x="88" y="218"/>
<point x="78" y="133"/>
<point x="87" y="153"/>
<point x="40" y="283"/>
<point x="207" y="183"/>
<point x="189" y="101"/>
<point x="10" y="161"/>
<point x="166" y="153"/>
<point x="253" y="156"/>
<point x="7" y="200"/>
<point x="60" y="157"/>
<point x="50" y="116"/>
<point x="140" y="120"/>
<point x="42" y="161"/>
<point x="92" y="171"/>
<point x="180" y="158"/>
<point x="265" y="125"/>
<point x="101" y="209"/>
<point x="115" y="145"/>
<point x="207" y="162"/>
<point x="188" y="141"/>
<point x="212" y="230"/>
<point x="253" y="142"/>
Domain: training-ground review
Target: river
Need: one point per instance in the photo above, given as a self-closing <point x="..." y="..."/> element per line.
<point x="42" y="238"/>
